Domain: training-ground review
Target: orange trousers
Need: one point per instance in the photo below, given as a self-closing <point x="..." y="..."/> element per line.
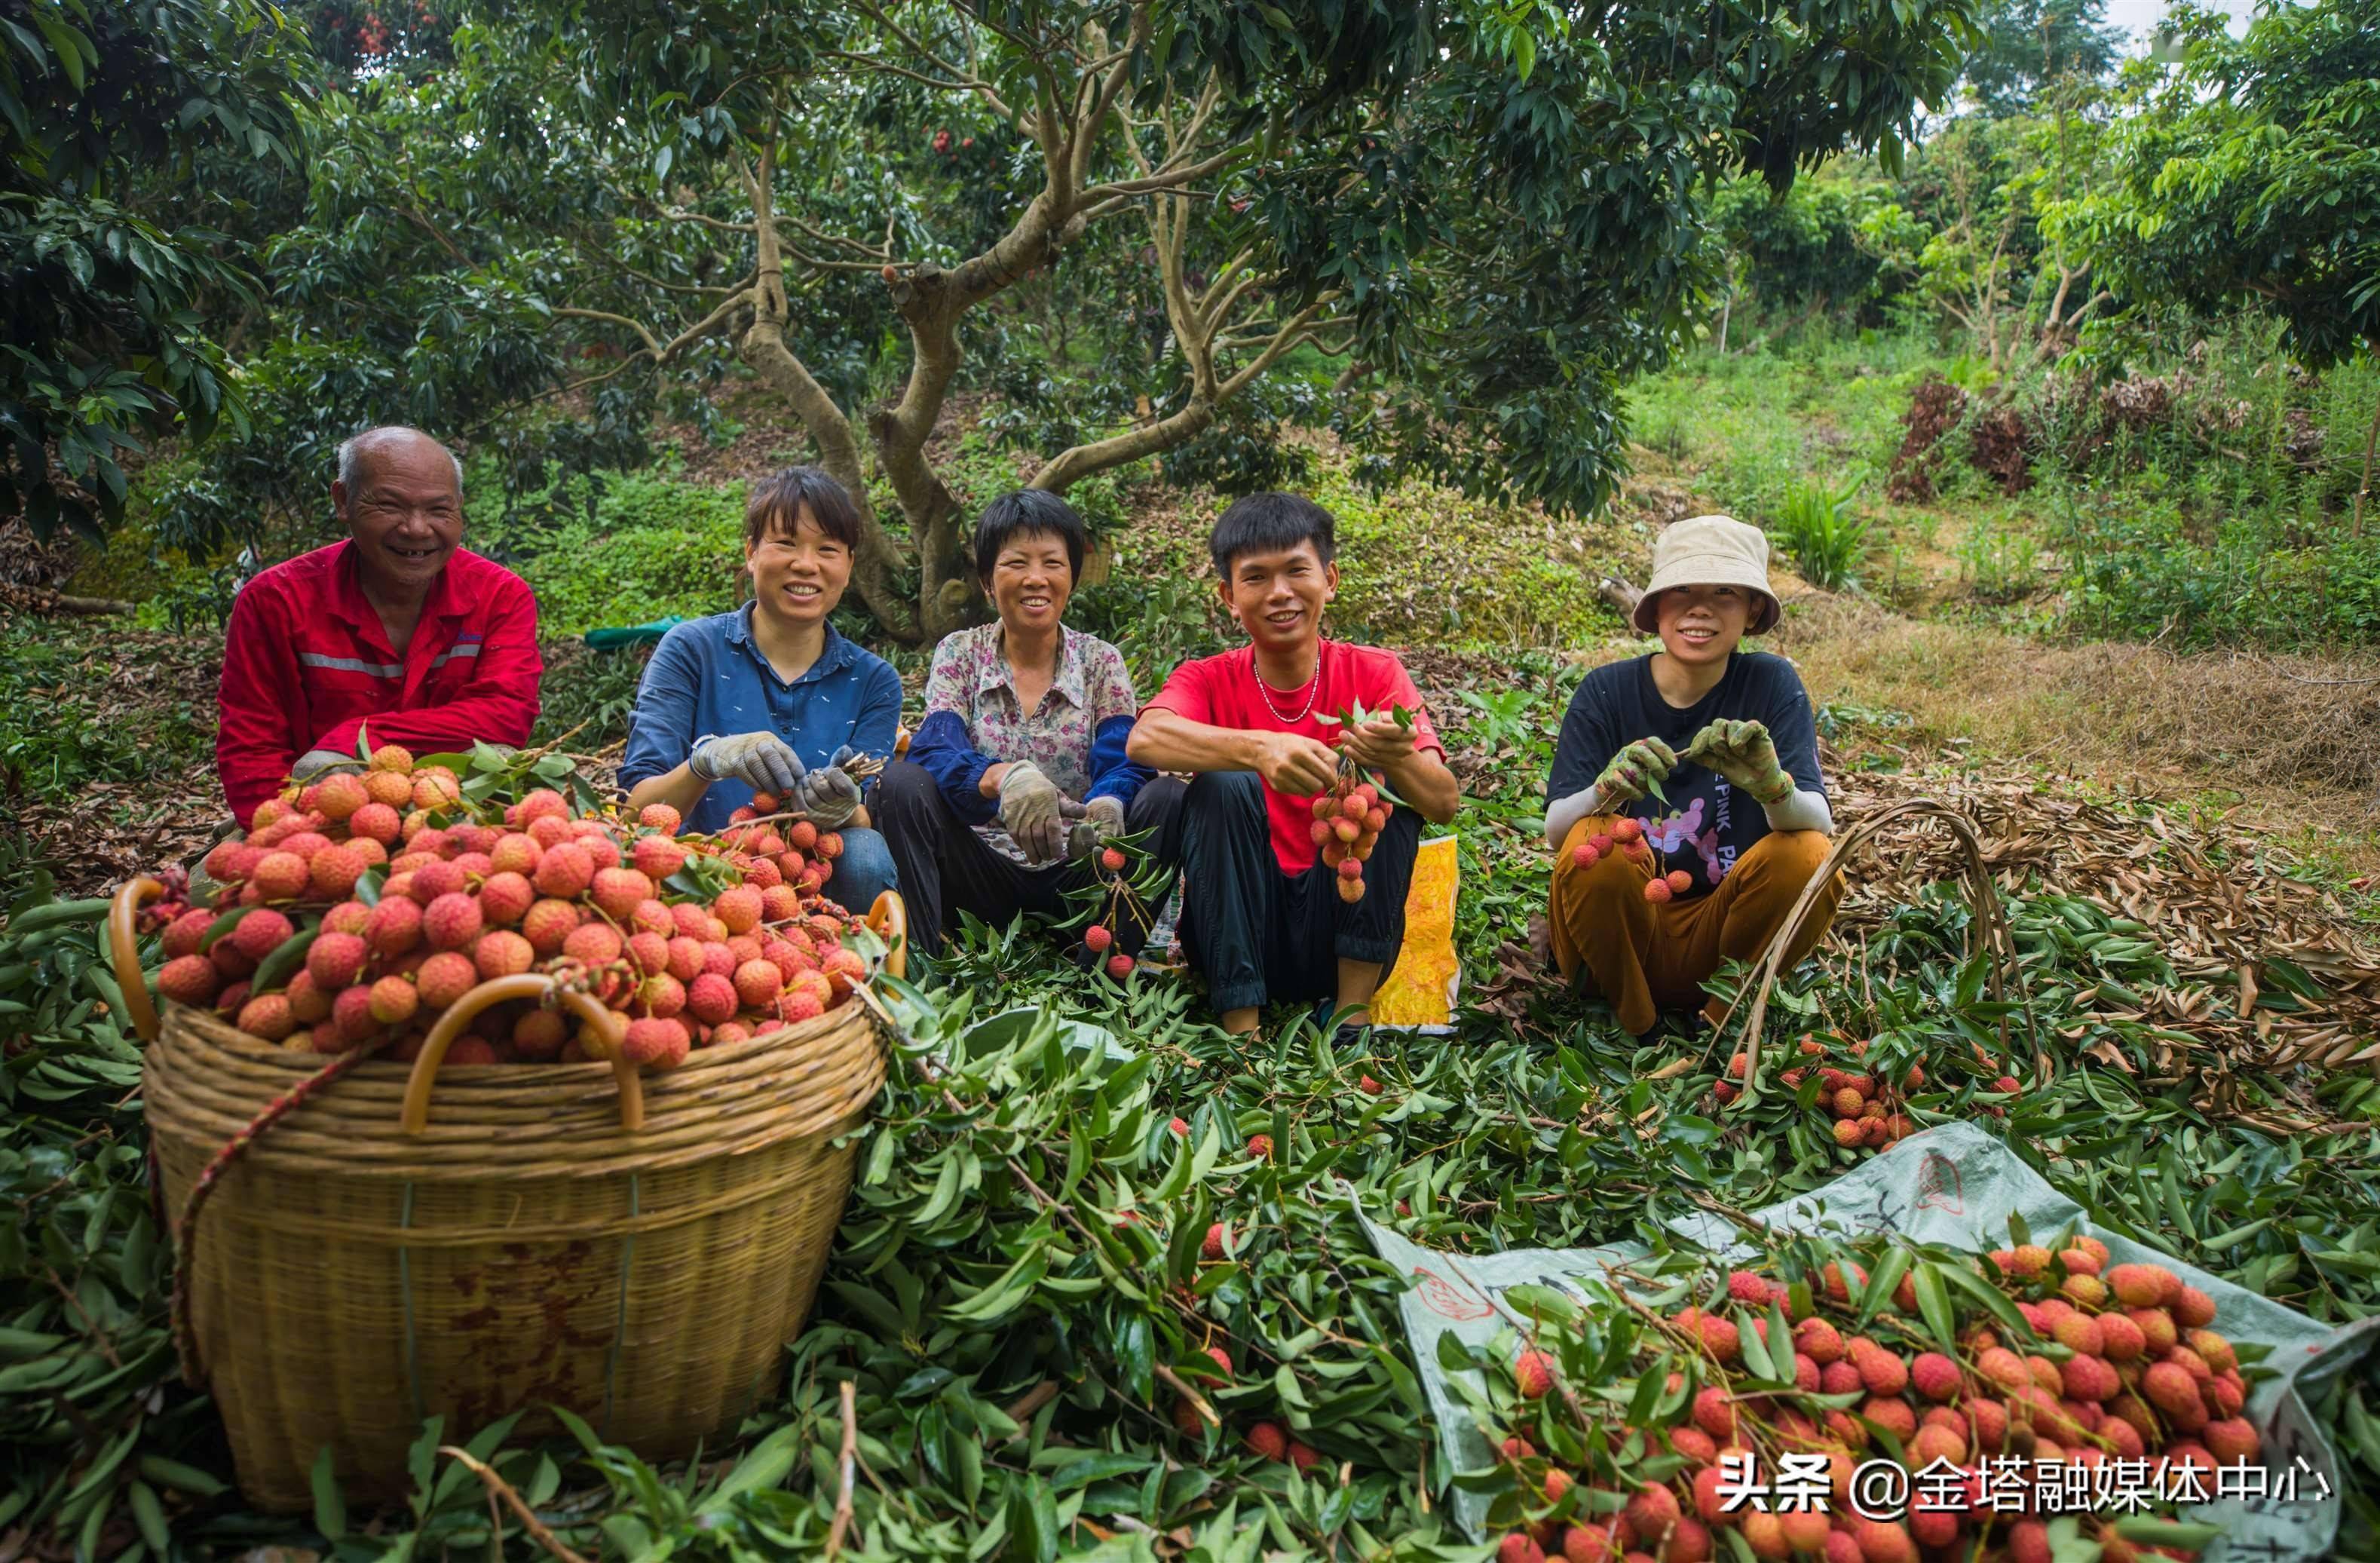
<point x="1642" y="955"/>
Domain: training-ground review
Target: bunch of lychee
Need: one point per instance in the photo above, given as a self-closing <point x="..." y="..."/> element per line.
<point x="340" y="922"/>
<point x="1348" y="819"/>
<point x="1118" y="901"/>
<point x="1626" y="838"/>
<point x="2124" y="1367"/>
<point x="804" y="854"/>
<point x="1863" y="1103"/>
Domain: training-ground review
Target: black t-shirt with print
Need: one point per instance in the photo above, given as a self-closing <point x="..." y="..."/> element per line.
<point x="1706" y="824"/>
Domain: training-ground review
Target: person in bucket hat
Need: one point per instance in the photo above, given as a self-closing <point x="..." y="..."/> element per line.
<point x="1686" y="807"/>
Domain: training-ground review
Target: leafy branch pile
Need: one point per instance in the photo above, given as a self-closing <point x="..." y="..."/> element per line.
<point x="1047" y="1352"/>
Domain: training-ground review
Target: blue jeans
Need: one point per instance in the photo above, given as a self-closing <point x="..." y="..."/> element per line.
<point x="863" y="873"/>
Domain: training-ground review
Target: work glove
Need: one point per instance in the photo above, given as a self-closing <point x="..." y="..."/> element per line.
<point x="1746" y="756"/>
<point x="762" y="761"/>
<point x="830" y="796"/>
<point x="1639" y="764"/>
<point x="1103" y="817"/>
<point x="316" y="763"/>
<point x="1031" y="810"/>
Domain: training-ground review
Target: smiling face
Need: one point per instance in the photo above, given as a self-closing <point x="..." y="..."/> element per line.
<point x="797" y="576"/>
<point x="1030" y="581"/>
<point x="1700" y="625"/>
<point x="405" y="513"/>
<point x="1277" y="597"/>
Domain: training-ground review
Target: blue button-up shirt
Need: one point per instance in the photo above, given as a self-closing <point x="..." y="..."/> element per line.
<point x="707" y="678"/>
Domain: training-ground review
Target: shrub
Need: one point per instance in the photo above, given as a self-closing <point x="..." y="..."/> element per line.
<point x="1828" y="543"/>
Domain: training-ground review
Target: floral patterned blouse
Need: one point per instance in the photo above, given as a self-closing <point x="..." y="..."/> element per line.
<point x="1076" y="734"/>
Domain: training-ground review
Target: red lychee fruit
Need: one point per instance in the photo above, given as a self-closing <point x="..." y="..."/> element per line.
<point x="2142" y="1286"/>
<point x="1586" y="1544"/>
<point x="2192" y="1309"/>
<point x="618" y="891"/>
<point x="261" y="932"/>
<point x="1098" y="938"/>
<point x="190" y="979"/>
<point x="1892" y="1414"/>
<point x="593" y="944"/>
<point x="564" y="872"/>
<point x="1112" y="860"/>
<point x="2157" y="1332"/>
<point x="757" y="983"/>
<point x="394" y="1001"/>
<point x="2232" y="1441"/>
<point x="1178" y="1128"/>
<point x="438" y="877"/>
<point x="1652" y="1510"/>
<point x="2169" y="1387"/>
<point x="505" y="899"/>
<point x="1583" y="855"/>
<point x="1935" y="1442"/>
<point x="1260" y="1146"/>
<point x="1678" y="880"/>
<point x="1934" y="1375"/>
<point x="267" y="1016"/>
<point x="1819" y="1340"/>
<point x="2079" y="1331"/>
<point x="1658" y="890"/>
<point x="336" y="960"/>
<point x="1369" y="1086"/>
<point x="1714" y="1411"/>
<point x="445" y="978"/>
<point x="1119" y="966"/>
<point x="452" y="922"/>
<point x="712" y="998"/>
<point x="332" y="871"/>
<point x="1266" y="1439"/>
<point x="1518" y="1547"/>
<point x="1211" y="1248"/>
<point x="656" y="1043"/>
<point x="1883" y="1372"/>
<point x="547" y="924"/>
<point x="501" y="953"/>
<point x="739" y="907"/>
<point x="1694" y="1445"/>
<point x="1533" y="1373"/>
<point x="1840" y="1378"/>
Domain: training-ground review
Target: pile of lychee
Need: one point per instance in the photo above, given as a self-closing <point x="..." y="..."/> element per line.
<point x="358" y="909"/>
<point x="1348" y="819"/>
<point x="2122" y="1365"/>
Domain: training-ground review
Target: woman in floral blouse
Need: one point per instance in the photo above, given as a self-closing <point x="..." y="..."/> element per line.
<point x="1018" y="773"/>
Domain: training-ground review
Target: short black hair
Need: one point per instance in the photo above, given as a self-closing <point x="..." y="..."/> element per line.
<point x="1271" y="524"/>
<point x="1025" y="513"/>
<point x="776" y="505"/>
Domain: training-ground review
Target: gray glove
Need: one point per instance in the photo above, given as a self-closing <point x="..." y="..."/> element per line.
<point x="1103" y="817"/>
<point x="762" y="761"/>
<point x="1032" y="810"/>
<point x="316" y="763"/>
<point x="829" y="795"/>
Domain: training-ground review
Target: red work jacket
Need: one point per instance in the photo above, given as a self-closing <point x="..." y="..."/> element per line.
<point x="307" y="665"/>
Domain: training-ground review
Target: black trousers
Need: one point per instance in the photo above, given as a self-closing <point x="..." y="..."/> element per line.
<point x="944" y="868"/>
<point x="1264" y="936"/>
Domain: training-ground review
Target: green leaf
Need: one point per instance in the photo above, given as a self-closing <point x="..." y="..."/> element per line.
<point x="330" y="1504"/>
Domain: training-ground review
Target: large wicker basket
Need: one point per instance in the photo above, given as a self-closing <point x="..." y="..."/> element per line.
<point x="524" y="1248"/>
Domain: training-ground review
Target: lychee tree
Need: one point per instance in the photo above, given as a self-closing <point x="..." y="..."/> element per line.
<point x="1479" y="218"/>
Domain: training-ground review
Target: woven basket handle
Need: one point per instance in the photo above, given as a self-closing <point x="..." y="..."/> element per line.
<point x="124" y="952"/>
<point x="889" y="918"/>
<point x="529" y="984"/>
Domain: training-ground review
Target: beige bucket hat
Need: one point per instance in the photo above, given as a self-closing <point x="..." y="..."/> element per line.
<point x="1710" y="551"/>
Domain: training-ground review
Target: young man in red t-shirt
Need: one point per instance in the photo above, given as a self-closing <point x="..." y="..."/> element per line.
<point x="1262" y="914"/>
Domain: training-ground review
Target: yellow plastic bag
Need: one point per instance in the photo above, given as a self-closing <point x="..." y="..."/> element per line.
<point x="1420" y="991"/>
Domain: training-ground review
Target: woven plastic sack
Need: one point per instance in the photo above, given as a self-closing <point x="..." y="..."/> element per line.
<point x="1420" y="991"/>
<point x="1956" y="1186"/>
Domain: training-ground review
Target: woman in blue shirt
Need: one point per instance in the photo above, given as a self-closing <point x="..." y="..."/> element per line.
<point x="768" y="698"/>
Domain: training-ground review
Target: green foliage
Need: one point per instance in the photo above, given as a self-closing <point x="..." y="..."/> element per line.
<point x="106" y="342"/>
<point x="1828" y="543"/>
<point x="1807" y="244"/>
<point x="2251" y="174"/>
<point x="2028" y="45"/>
<point x="64" y="700"/>
<point x="612" y="548"/>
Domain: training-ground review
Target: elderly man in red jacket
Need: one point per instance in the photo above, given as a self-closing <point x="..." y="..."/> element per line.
<point x="399" y="633"/>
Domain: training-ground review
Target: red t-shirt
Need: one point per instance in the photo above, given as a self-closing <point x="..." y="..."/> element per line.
<point x="1223" y="691"/>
